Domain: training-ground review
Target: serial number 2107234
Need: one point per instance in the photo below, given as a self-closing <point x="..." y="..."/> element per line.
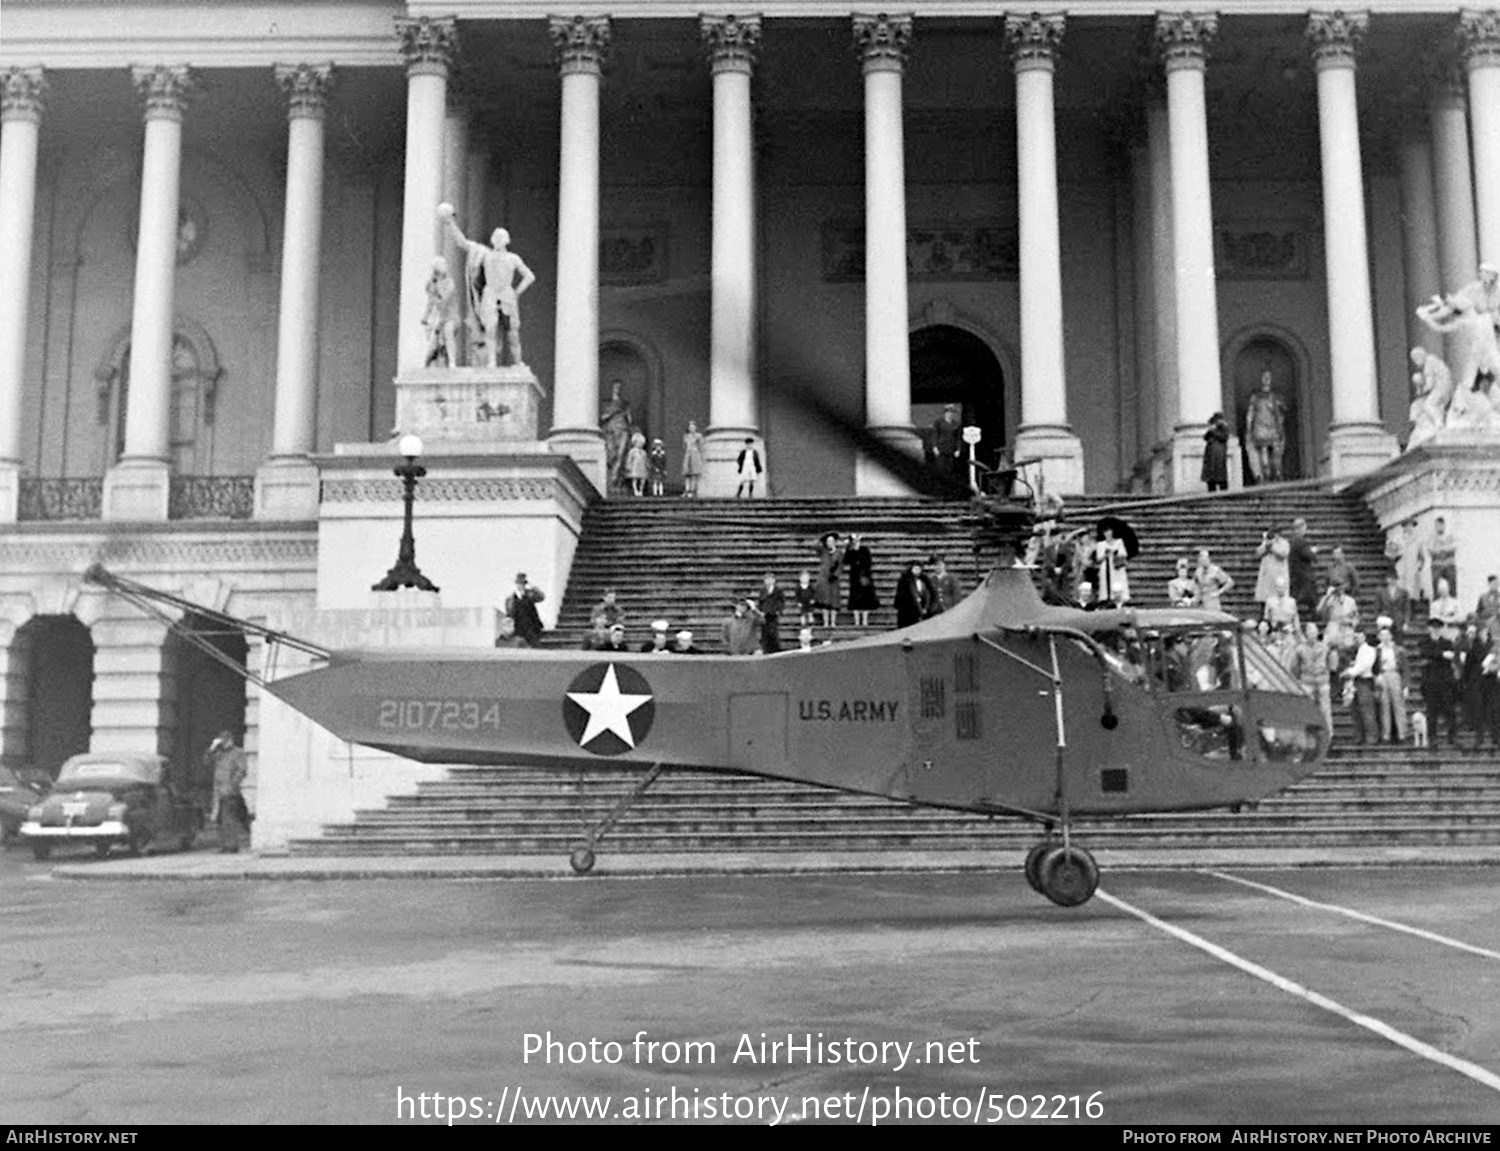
<point x="439" y="714"/>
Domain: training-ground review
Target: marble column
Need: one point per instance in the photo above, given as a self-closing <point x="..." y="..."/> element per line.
<point x="1419" y="234"/>
<point x="1453" y="181"/>
<point x="1357" y="441"/>
<point x="23" y="97"/>
<point x="734" y="409"/>
<point x="581" y="43"/>
<point x="286" y="486"/>
<point x="138" y="487"/>
<point x="883" y="43"/>
<point x="1479" y="32"/>
<point x="428" y="46"/>
<point x="1144" y="299"/>
<point x="456" y="192"/>
<point x="1044" y="433"/>
<point x="1183" y="39"/>
<point x="1164" y="287"/>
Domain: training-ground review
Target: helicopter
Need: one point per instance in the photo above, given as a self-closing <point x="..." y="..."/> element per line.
<point x="1002" y="705"/>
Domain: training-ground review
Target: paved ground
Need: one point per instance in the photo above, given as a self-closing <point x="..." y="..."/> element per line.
<point x="1177" y="996"/>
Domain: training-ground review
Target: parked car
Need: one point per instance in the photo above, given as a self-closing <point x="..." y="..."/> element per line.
<point x="104" y="799"/>
<point x="17" y="796"/>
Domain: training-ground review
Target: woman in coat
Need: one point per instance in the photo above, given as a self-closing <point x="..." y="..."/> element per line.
<point x="861" y="568"/>
<point x="830" y="559"/>
<point x="692" y="458"/>
<point x="1273" y="550"/>
<point x="1216" y="454"/>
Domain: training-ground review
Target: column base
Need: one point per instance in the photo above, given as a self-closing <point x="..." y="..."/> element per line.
<point x="1178" y="466"/>
<point x="286" y="489"/>
<point x="586" y="448"/>
<point x="137" y="490"/>
<point x="721" y="462"/>
<point x="1057" y="452"/>
<point x="871" y="478"/>
<point x="10" y="491"/>
<point x="1354" y="449"/>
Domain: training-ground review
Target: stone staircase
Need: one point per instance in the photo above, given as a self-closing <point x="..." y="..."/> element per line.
<point x="685" y="560"/>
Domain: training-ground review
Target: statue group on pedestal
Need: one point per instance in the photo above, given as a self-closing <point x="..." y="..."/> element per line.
<point x="1468" y="397"/>
<point x="494" y="279"/>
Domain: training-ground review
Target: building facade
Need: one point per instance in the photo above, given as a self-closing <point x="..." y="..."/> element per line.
<point x="1092" y="226"/>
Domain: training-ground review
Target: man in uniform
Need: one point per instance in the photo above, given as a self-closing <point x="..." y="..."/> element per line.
<point x="229" y="810"/>
<point x="1439" y="683"/>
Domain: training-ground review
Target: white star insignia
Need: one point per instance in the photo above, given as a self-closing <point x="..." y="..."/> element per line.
<point x="608" y="708"/>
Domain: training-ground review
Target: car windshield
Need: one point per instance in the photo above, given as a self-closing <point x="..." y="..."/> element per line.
<point x="93" y="773"/>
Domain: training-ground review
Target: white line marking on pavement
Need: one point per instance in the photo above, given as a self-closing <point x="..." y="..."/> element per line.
<point x="1384" y="1030"/>
<point x="1352" y="914"/>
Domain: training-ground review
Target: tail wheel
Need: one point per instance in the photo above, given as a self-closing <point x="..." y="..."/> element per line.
<point x="1068" y="877"/>
<point x="1034" y="864"/>
<point x="582" y="861"/>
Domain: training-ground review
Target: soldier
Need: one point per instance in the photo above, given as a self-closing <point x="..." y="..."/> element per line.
<point x="1439" y="683"/>
<point x="229" y="810"/>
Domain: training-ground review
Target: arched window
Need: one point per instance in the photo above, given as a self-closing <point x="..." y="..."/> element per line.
<point x="195" y="380"/>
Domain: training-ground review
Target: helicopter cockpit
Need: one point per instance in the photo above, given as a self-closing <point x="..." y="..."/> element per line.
<point x="1219" y="683"/>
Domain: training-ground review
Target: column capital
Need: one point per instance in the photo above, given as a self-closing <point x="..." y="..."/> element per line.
<point x="1182" y="38"/>
<point x="306" y="87"/>
<point x="1034" y="40"/>
<point x="23" y="94"/>
<point x="1336" y="37"/>
<point x="429" y="45"/>
<point x="731" y="42"/>
<point x="882" y="41"/>
<point x="1479" y="37"/>
<point x="1445" y="77"/>
<point x="163" y="89"/>
<point x="581" y="42"/>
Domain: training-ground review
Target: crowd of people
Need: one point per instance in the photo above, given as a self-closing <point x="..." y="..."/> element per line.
<point x="841" y="579"/>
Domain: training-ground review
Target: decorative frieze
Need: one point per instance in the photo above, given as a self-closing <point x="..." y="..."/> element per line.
<point x="1034" y="40"/>
<point x="731" y="42"/>
<point x="1261" y="250"/>
<point x="163" y="89"/>
<point x="1479" y="37"/>
<point x="1183" y="38"/>
<point x="157" y="552"/>
<point x="633" y="255"/>
<point x="580" y="42"/>
<point x="428" y="44"/>
<point x="448" y="491"/>
<point x="935" y="253"/>
<point x="883" y="42"/>
<point x="23" y="95"/>
<point x="306" y="87"/>
<point x="1336" y="37"/>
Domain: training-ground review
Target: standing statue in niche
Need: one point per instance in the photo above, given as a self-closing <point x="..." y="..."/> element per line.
<point x="1265" y="431"/>
<point x="496" y="277"/>
<point x="440" y="320"/>
<point x="616" y="424"/>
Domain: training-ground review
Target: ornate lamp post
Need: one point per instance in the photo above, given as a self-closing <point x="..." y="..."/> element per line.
<point x="406" y="573"/>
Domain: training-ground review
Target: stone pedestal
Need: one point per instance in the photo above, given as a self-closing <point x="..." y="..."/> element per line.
<point x="137" y="490"/>
<point x="585" y="447"/>
<point x="871" y="478"/>
<point x="10" y="491"/>
<point x="1060" y="453"/>
<point x="1455" y="475"/>
<point x="1180" y="462"/>
<point x="305" y="777"/>
<point x="1354" y="449"/>
<point x="483" y="512"/>
<point x="470" y="405"/>
<point x="286" y="489"/>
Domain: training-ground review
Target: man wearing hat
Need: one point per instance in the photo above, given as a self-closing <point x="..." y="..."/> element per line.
<point x="520" y="609"/>
<point x="684" y="644"/>
<point x="1439" y="681"/>
<point x="947" y="442"/>
<point x="740" y="631"/>
<point x="658" y="641"/>
<point x="229" y="811"/>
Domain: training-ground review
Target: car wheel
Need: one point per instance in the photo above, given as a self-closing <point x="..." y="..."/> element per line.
<point x="136" y="842"/>
<point x="101" y="849"/>
<point x="186" y="842"/>
<point x="40" y="851"/>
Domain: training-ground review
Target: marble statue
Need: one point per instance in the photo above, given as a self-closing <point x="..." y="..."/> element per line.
<point x="1470" y="316"/>
<point x="1265" y="431"/>
<point x="1432" y="391"/>
<point x="440" y="320"/>
<point x="616" y="424"/>
<point x="496" y="277"/>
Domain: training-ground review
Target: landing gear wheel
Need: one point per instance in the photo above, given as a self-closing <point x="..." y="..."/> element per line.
<point x="1034" y="864"/>
<point x="101" y="849"/>
<point x="40" y="851"/>
<point x="1068" y="877"/>
<point x="582" y="861"/>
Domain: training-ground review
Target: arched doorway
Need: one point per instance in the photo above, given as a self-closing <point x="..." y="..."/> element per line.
<point x="1259" y="355"/>
<point x="626" y="363"/>
<point x="950" y="365"/>
<point x="56" y="657"/>
<point x="210" y="698"/>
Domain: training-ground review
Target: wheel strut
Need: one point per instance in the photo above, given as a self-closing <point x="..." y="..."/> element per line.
<point x="582" y="859"/>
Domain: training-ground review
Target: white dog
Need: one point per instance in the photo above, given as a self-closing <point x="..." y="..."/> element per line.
<point x="1418" y="722"/>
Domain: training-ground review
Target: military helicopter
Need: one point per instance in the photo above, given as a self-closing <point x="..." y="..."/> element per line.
<point x="1004" y="704"/>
